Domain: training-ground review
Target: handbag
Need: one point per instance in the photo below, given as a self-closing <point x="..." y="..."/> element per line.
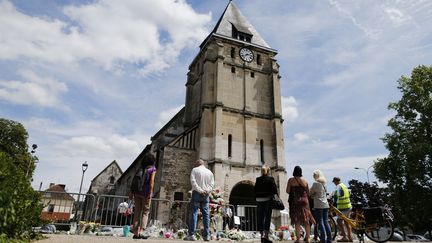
<point x="276" y="203"/>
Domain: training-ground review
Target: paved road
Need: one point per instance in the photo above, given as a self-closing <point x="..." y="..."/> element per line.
<point x="61" y="238"/>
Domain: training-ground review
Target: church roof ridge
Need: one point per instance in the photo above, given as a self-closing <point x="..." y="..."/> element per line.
<point x="233" y="18"/>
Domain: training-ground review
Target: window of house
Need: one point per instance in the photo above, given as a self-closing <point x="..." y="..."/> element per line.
<point x="232" y="69"/>
<point x="229" y="145"/>
<point x="258" y="59"/>
<point x="233" y="52"/>
<point x="111" y="180"/>
<point x="51" y="208"/>
<point x="262" y="150"/>
<point x="178" y="196"/>
<point x="252" y="74"/>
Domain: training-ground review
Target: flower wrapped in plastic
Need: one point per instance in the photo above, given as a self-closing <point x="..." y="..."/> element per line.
<point x="236" y="234"/>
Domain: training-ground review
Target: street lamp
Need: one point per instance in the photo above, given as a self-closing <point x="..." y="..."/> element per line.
<point x="84" y="168"/>
<point x="34" y="147"/>
<point x="367" y="171"/>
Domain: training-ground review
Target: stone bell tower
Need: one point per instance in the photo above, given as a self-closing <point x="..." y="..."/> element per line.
<point x="233" y="97"/>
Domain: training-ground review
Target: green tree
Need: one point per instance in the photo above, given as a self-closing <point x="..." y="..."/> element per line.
<point x="20" y="205"/>
<point x="13" y="142"/>
<point x="367" y="194"/>
<point x="407" y="170"/>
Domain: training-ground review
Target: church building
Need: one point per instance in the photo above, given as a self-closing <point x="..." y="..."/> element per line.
<point x="232" y="118"/>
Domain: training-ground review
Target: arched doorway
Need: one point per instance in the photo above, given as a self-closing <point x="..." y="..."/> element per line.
<point x="242" y="196"/>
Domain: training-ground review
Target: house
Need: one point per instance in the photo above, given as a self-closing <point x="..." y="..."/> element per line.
<point x="96" y="205"/>
<point x="104" y="182"/>
<point x="58" y="204"/>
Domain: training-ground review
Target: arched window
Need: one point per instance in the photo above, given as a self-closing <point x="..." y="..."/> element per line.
<point x="229" y="145"/>
<point x="262" y="150"/>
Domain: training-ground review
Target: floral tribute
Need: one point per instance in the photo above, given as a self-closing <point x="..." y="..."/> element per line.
<point x="216" y="202"/>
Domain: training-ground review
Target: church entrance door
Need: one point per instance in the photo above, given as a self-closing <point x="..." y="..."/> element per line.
<point x="243" y="198"/>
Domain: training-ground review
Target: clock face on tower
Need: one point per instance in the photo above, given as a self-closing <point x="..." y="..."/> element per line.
<point x="246" y="54"/>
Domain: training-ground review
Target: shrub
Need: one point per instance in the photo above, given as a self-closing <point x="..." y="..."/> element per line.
<point x="21" y="205"/>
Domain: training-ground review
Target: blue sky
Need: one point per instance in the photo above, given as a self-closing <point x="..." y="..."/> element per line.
<point x="94" y="80"/>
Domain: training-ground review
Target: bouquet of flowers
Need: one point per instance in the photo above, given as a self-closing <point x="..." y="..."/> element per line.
<point x="216" y="201"/>
<point x="236" y="234"/>
<point x="88" y="227"/>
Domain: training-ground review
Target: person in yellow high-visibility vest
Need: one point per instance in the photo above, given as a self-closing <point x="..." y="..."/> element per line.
<point x="343" y="203"/>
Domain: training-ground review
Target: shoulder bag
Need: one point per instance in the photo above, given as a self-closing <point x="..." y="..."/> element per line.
<point x="276" y="203"/>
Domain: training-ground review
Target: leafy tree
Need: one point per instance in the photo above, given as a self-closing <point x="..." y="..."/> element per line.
<point x="367" y="194"/>
<point x="20" y="205"/>
<point x="407" y="170"/>
<point x="13" y="142"/>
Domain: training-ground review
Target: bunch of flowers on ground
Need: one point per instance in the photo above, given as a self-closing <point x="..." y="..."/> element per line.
<point x="235" y="234"/>
<point x="88" y="227"/>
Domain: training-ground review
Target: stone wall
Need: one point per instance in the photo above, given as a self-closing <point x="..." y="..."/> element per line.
<point x="103" y="183"/>
<point x="175" y="172"/>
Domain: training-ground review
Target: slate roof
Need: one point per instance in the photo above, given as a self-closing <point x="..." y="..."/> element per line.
<point x="57" y="192"/>
<point x="232" y="16"/>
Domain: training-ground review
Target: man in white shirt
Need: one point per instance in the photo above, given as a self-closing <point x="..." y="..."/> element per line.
<point x="202" y="181"/>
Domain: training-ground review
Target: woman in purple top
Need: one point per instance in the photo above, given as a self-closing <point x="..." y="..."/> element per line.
<point x="142" y="192"/>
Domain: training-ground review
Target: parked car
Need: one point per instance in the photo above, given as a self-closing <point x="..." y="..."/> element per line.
<point x="397" y="236"/>
<point x="412" y="237"/>
<point x="427" y="236"/>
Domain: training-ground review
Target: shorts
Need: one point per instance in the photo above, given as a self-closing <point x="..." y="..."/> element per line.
<point x="346" y="212"/>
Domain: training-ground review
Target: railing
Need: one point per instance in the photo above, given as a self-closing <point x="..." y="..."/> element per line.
<point x="62" y="208"/>
<point x="248" y="217"/>
<point x="106" y="211"/>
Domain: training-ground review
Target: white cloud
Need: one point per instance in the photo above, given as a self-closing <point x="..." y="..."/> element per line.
<point x="289" y="108"/>
<point x="34" y="90"/>
<point x="370" y="32"/>
<point x="148" y="33"/>
<point x="301" y="137"/>
<point x="397" y="16"/>
<point x="165" y="116"/>
<point x="63" y="147"/>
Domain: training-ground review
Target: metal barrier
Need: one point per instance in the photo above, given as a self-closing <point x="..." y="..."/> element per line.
<point x="107" y="211"/>
<point x="248" y="217"/>
<point x="180" y="214"/>
<point x="62" y="208"/>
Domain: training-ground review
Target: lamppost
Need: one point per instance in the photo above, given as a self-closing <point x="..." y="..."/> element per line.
<point x="367" y="171"/>
<point x="84" y="167"/>
<point x="34" y="147"/>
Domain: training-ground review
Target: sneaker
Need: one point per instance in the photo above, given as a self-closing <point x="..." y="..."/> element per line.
<point x="190" y="238"/>
<point x="207" y="238"/>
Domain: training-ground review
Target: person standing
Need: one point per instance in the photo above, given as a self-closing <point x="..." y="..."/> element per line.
<point x="318" y="193"/>
<point x="202" y="181"/>
<point x="142" y="192"/>
<point x="265" y="188"/>
<point x="227" y="215"/>
<point x="343" y="203"/>
<point x="300" y="214"/>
